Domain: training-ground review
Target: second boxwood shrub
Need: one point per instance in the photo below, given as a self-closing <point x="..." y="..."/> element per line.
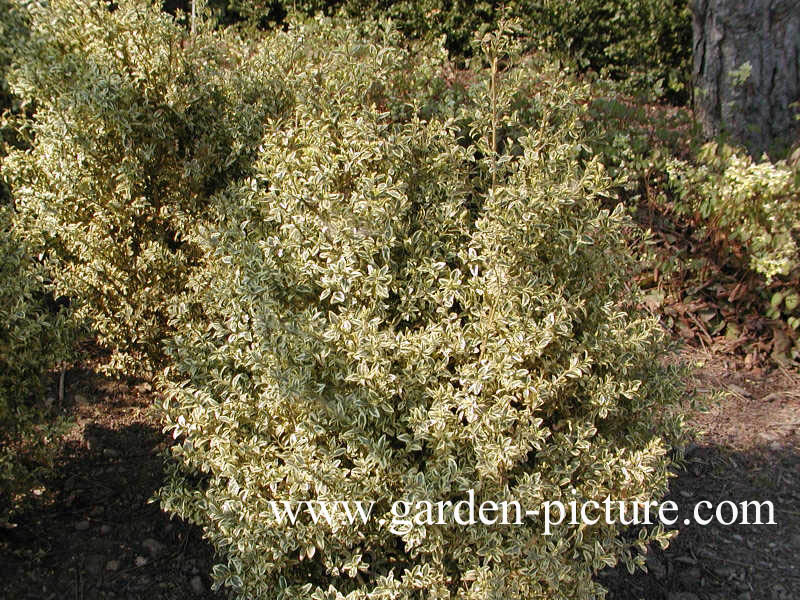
<point x="133" y="124"/>
<point x="409" y="310"/>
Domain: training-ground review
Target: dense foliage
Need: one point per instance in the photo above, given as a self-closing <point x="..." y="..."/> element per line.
<point x="134" y="126"/>
<point x="406" y="304"/>
<point x="35" y="331"/>
<point x="29" y="324"/>
<point x="368" y="272"/>
<point x="35" y="337"/>
<point x="645" y="42"/>
<point x="12" y="27"/>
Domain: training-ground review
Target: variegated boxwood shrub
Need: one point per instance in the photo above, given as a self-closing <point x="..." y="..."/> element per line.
<point x="408" y="304"/>
<point x="135" y="124"/>
<point x="35" y="331"/>
<point x="12" y="28"/>
<point x="36" y="335"/>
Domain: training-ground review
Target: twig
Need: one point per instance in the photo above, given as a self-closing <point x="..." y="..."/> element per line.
<point x="788" y="512"/>
<point x="750" y="566"/>
<point x="702" y="328"/>
<point x="61" y="383"/>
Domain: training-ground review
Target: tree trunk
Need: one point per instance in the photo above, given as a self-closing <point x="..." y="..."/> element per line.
<point x="747" y="71"/>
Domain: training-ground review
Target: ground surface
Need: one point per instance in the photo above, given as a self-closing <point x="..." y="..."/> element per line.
<point x="747" y="448"/>
<point x="91" y="533"/>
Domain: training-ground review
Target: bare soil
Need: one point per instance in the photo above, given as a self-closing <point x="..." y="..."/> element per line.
<point x="90" y="532"/>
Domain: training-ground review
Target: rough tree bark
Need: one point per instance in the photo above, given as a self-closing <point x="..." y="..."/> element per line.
<point x="747" y="71"/>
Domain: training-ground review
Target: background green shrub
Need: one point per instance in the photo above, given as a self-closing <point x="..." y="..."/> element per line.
<point x="644" y="42"/>
<point x="408" y="309"/>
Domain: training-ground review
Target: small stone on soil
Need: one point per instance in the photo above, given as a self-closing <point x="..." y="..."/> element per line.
<point x="94" y="564"/>
<point x="724" y="572"/>
<point x="82" y="525"/>
<point x="682" y="596"/>
<point x="197" y="585"/>
<point x="154" y="547"/>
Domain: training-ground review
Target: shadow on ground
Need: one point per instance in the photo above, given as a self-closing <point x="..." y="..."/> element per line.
<point x="89" y="532"/>
<point x="717" y="562"/>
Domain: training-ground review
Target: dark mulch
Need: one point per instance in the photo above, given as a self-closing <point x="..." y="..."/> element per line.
<point x="748" y="448"/>
<point x="717" y="562"/>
